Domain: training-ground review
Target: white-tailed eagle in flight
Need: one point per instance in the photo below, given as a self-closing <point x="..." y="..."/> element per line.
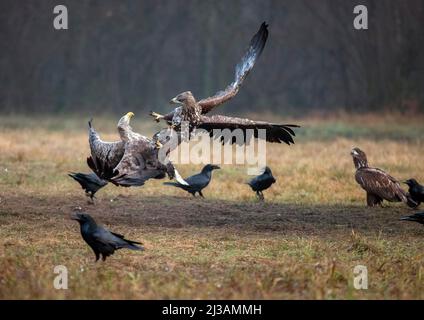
<point x="193" y="111"/>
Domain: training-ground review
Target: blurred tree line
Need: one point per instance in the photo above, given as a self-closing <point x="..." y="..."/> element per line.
<point x="126" y="55"/>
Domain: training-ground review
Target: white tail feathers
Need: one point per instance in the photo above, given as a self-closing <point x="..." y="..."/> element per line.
<point x="179" y="179"/>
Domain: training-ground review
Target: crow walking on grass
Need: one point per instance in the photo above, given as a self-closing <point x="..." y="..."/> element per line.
<point x="90" y="182"/>
<point x="417" y="217"/>
<point x="102" y="241"/>
<point x="197" y="182"/>
<point x="262" y="182"/>
<point x="416" y="191"/>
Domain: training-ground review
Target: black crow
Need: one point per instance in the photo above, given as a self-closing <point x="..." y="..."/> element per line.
<point x="262" y="182"/>
<point x="90" y="182"/>
<point x="197" y="182"/>
<point x="416" y="191"/>
<point x="102" y="241"/>
<point x="417" y="217"/>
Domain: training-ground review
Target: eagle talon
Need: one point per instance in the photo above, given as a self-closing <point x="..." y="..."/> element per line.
<point x="156" y="116"/>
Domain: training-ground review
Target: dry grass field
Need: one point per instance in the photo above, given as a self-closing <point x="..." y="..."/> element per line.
<point x="302" y="243"/>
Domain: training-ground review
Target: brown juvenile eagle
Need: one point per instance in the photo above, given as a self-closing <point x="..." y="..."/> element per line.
<point x="378" y="184"/>
<point x="193" y="111"/>
<point x="131" y="161"/>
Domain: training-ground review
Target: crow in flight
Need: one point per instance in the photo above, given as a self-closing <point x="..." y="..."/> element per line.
<point x="417" y="217"/>
<point x="90" y="182"/>
<point x="102" y="241"/>
<point x="262" y="182"/>
<point x="416" y="191"/>
<point x="197" y="182"/>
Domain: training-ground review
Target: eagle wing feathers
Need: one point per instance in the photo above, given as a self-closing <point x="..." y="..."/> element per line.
<point x="274" y="132"/>
<point x="243" y="68"/>
<point x="381" y="184"/>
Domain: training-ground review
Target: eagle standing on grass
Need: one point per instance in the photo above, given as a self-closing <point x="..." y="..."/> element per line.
<point x="378" y="184"/>
<point x="129" y="162"/>
<point x="192" y="111"/>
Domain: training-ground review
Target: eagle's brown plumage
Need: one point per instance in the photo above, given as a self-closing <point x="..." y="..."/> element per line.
<point x="193" y="111"/>
<point x="129" y="162"/>
<point x="274" y="132"/>
<point x="243" y="68"/>
<point x="378" y="184"/>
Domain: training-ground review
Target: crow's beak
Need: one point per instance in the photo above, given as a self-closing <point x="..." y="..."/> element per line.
<point x="407" y="219"/>
<point x="75" y="217"/>
<point x="174" y="101"/>
<point x="216" y="167"/>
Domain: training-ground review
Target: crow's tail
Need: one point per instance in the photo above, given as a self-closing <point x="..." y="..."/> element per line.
<point x="134" y="245"/>
<point x="410" y="202"/>
<point x="174" y="184"/>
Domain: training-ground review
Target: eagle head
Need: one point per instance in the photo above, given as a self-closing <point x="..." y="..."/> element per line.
<point x="359" y="158"/>
<point x="185" y="99"/>
<point x="124" y="127"/>
<point x="125" y="119"/>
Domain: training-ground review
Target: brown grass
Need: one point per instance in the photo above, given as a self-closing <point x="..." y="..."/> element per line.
<point x="302" y="243"/>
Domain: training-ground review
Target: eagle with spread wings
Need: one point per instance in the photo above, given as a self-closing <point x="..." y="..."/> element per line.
<point x="193" y="111"/>
<point x="378" y="184"/>
<point x="131" y="161"/>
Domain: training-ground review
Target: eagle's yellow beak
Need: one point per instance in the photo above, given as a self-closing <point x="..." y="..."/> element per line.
<point x="130" y="114"/>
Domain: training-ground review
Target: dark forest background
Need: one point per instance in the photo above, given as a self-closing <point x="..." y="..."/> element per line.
<point x="118" y="56"/>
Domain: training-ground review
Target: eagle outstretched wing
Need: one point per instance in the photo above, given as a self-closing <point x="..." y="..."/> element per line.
<point x="129" y="163"/>
<point x="274" y="132"/>
<point x="243" y="68"/>
<point x="379" y="183"/>
<point x="109" y="153"/>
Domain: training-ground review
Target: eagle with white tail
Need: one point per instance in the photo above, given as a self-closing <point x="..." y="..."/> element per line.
<point x="131" y="161"/>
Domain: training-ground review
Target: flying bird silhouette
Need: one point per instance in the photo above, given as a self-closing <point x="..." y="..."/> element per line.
<point x="193" y="111"/>
<point x="197" y="182"/>
<point x="262" y="182"/>
<point x="417" y="217"/>
<point x="89" y="182"/>
<point x="416" y="191"/>
<point x="378" y="184"/>
<point x="102" y="241"/>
